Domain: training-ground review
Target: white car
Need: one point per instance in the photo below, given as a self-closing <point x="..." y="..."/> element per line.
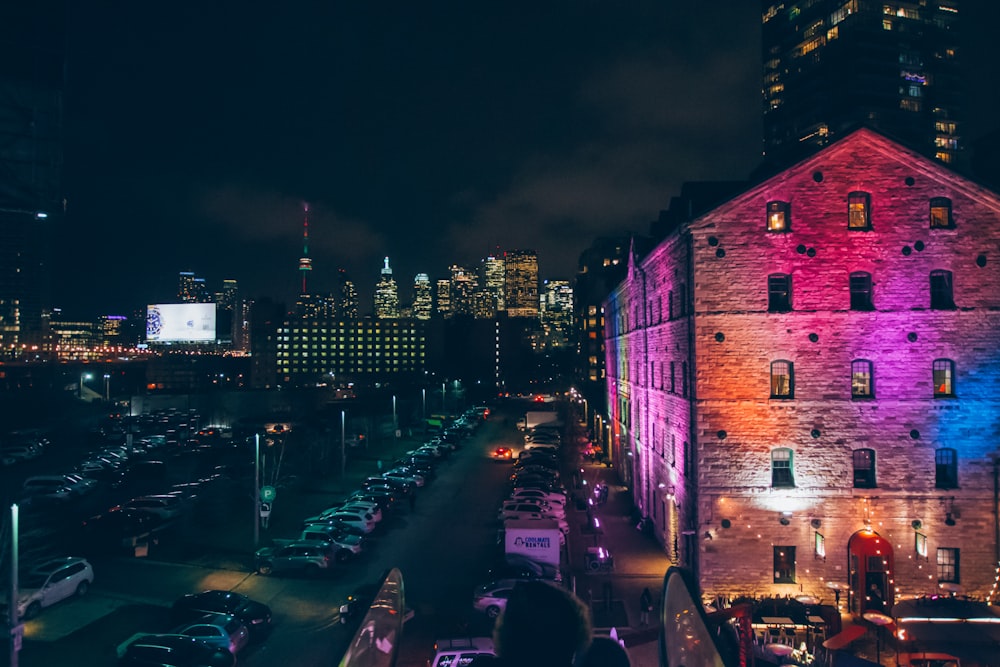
<point x="362" y="508"/>
<point x="542" y="445"/>
<point x="511" y="508"/>
<point x="408" y="477"/>
<point x="354" y="519"/>
<point x="52" y="582"/>
<point x="532" y="495"/>
<point x="491" y="599"/>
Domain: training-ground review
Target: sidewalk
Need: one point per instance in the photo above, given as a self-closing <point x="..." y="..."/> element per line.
<point x="639" y="562"/>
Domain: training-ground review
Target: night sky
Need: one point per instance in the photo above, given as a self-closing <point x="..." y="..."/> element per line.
<point x="433" y="133"/>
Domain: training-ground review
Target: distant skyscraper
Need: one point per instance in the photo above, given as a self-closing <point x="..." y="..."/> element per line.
<point x="494" y="281"/>
<point x="557" y="313"/>
<point x="463" y="290"/>
<point x="443" y="294"/>
<point x="422" y="302"/>
<point x="305" y="262"/>
<point x="832" y="64"/>
<point x="186" y="290"/>
<point x="347" y="297"/>
<point x="386" y="294"/>
<point x="521" y="269"/>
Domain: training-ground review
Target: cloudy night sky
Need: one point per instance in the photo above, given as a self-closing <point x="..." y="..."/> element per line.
<point x="434" y="133"/>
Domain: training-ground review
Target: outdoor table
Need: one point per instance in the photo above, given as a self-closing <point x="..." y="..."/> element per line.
<point x="777" y="620"/>
<point x="818" y="620"/>
<point x="879" y="620"/>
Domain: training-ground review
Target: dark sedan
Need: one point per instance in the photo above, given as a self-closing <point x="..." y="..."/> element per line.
<point x="255" y="615"/>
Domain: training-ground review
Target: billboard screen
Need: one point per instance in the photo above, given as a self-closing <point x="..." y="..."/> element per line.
<point x="180" y="322"/>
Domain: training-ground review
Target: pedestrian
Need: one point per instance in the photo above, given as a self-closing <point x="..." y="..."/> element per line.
<point x="604" y="493"/>
<point x="645" y="606"/>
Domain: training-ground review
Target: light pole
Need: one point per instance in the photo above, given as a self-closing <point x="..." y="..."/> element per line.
<point x="423" y="403"/>
<point x="256" y="491"/>
<point x="16" y="628"/>
<point x="83" y="376"/>
<point x="444" y="408"/>
<point x="343" y="443"/>
<point x="395" y="423"/>
<point x="107" y="387"/>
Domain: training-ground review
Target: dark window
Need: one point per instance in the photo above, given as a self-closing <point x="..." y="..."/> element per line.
<point x="673" y="377"/>
<point x="864" y="468"/>
<point x="944" y="377"/>
<point x="942" y="297"/>
<point x="861" y="379"/>
<point x="684" y="379"/>
<point x="779" y="216"/>
<point x="859" y="210"/>
<point x="784" y="565"/>
<point x="682" y="299"/>
<point x="946" y="468"/>
<point x="779" y="292"/>
<point x="781" y="468"/>
<point x="670" y="305"/>
<point x="861" y="291"/>
<point x="941" y="213"/>
<point x="947" y="565"/>
<point x="782" y="381"/>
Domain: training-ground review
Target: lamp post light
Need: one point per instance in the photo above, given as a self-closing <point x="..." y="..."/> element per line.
<point x="16" y="627"/>
<point x="395" y="421"/>
<point x="83" y="377"/>
<point x="256" y="491"/>
<point x="444" y="407"/>
<point x="423" y="403"/>
<point x="107" y="387"/>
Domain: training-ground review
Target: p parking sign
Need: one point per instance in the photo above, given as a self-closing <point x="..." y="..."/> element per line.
<point x="267" y="494"/>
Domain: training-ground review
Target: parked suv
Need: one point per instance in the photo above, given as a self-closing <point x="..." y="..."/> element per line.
<point x="345" y="546"/>
<point x="462" y="651"/>
<point x="51" y="582"/>
<point x="307" y="556"/>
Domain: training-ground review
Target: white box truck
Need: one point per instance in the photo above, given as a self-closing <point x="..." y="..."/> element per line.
<point x="537" y="540"/>
<point x="533" y="418"/>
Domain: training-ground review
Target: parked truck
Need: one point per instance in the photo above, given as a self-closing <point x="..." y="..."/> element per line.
<point x="533" y="418"/>
<point x="536" y="540"/>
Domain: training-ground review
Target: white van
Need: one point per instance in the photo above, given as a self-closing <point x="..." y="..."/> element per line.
<point x="462" y="651"/>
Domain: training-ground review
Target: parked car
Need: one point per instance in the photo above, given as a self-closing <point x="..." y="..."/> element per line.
<point x="363" y="506"/>
<point x="51" y="582"/>
<point x="172" y="651"/>
<point x="256" y="616"/>
<point x="217" y="630"/>
<point x="529" y="495"/>
<point x="165" y="506"/>
<point x="513" y="510"/>
<point x="121" y="527"/>
<point x="74" y="485"/>
<point x="384" y="499"/>
<point x="309" y="557"/>
<point x="491" y="598"/>
<point x="337" y="523"/>
<point x="344" y="546"/>
<point x="414" y="480"/>
<point x="364" y="523"/>
<point x="462" y="651"/>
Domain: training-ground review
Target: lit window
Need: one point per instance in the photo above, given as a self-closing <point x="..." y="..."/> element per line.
<point x="782" y="382"/>
<point x="920" y="545"/>
<point x="779" y="293"/>
<point x="942" y="297"/>
<point x="861" y="291"/>
<point x="819" y="546"/>
<point x="948" y="565"/>
<point x="781" y="468"/>
<point x="779" y="216"/>
<point x="784" y="565"/>
<point x="944" y="374"/>
<point x="946" y="468"/>
<point x="859" y="210"/>
<point x="864" y="468"/>
<point x="861" y="379"/>
<point x="941" y="213"/>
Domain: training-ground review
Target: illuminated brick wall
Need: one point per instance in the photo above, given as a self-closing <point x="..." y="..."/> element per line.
<point x="739" y="510"/>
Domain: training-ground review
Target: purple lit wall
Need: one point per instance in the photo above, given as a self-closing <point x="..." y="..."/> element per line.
<point x="691" y="343"/>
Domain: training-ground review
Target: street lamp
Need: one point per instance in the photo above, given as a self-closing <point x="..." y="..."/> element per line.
<point x="83" y="376"/>
<point x="395" y="423"/>
<point x="423" y="403"/>
<point x="107" y="387"/>
<point x="444" y="408"/>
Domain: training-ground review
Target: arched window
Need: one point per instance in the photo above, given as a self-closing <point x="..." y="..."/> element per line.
<point x="943" y="372"/>
<point x="946" y="468"/>
<point x="861" y="291"/>
<point x="859" y="210"/>
<point x="942" y="292"/>
<point x="861" y="379"/>
<point x="941" y="213"/>
<point x="782" y="380"/>
<point x="864" y="468"/>
<point x="779" y="216"/>
<point x="781" y="467"/>
<point x="779" y="293"/>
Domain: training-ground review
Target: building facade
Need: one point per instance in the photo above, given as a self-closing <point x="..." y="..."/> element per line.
<point x="832" y="64"/>
<point x="521" y="283"/>
<point x="805" y="381"/>
<point x="313" y="351"/>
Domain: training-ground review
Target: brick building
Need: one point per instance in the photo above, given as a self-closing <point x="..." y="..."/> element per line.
<point x="804" y="386"/>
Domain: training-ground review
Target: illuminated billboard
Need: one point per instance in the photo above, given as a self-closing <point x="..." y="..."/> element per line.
<point x="180" y="322"/>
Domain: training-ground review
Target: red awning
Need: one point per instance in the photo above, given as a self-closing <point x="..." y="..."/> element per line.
<point x="844" y="638"/>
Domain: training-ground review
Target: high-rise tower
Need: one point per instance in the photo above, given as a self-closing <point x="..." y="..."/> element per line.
<point x="346" y="297"/>
<point x="830" y="65"/>
<point x="386" y="294"/>
<point x="422" y="303"/>
<point x="305" y="262"/>
<point x="521" y="269"/>
<point x="493" y="281"/>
